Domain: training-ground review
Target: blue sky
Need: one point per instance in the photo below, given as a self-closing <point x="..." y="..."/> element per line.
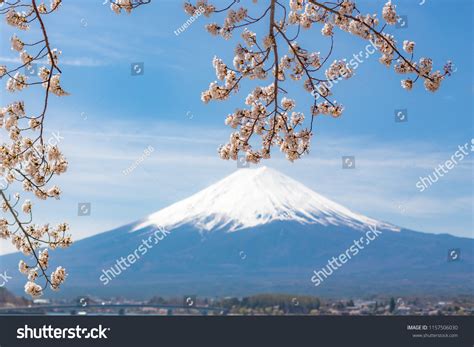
<point x="111" y="117"/>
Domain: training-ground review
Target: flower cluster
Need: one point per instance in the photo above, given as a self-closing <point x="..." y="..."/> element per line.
<point x="127" y="5"/>
<point x="27" y="161"/>
<point x="269" y="113"/>
<point x="56" y="279"/>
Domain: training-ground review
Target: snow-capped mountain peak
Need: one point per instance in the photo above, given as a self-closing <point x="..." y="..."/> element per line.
<point x="252" y="197"/>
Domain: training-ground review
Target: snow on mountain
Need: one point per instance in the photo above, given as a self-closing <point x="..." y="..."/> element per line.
<point x="252" y="197"/>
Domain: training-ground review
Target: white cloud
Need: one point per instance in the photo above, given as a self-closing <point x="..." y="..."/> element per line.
<point x="78" y="61"/>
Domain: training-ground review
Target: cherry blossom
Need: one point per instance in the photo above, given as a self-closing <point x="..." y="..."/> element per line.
<point x="27" y="161"/>
<point x="269" y="115"/>
<point x="127" y="5"/>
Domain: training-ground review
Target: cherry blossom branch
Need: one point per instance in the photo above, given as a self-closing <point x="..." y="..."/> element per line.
<point x="27" y="159"/>
<point x="40" y="264"/>
<point x="282" y="126"/>
<point x="127" y="5"/>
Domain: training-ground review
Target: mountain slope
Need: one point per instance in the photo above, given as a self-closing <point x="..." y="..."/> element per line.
<point x="252" y="197"/>
<point x="7" y="299"/>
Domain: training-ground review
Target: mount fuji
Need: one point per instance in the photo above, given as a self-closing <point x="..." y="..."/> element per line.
<point x="256" y="231"/>
<point x="253" y="197"/>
